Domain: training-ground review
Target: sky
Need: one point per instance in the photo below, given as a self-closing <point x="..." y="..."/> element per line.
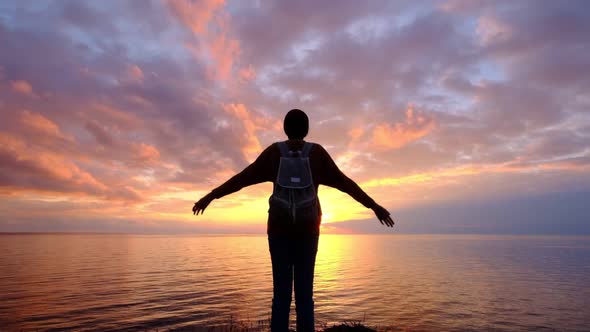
<point x="457" y="116"/>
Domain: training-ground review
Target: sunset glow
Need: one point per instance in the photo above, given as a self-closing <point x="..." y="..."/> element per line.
<point x="117" y="116"/>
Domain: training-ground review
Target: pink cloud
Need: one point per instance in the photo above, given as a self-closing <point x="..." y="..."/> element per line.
<point x="135" y="72"/>
<point x="211" y="25"/>
<point x="513" y="74"/>
<point x="462" y="6"/>
<point x="356" y="134"/>
<point x="252" y="146"/>
<point x="114" y="116"/>
<point x="195" y="14"/>
<point x="40" y="124"/>
<point x="225" y="51"/>
<point x="491" y="30"/>
<point x="248" y="73"/>
<point x="146" y="152"/>
<point x="415" y="127"/>
<point x="34" y="168"/>
<point x="21" y="86"/>
<point x="116" y="144"/>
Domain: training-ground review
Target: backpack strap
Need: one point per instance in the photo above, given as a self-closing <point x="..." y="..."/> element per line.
<point x="306" y="149"/>
<point x="286" y="153"/>
<point x="284" y="149"/>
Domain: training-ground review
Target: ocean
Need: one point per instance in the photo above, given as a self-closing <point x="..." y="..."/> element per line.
<point x="106" y="282"/>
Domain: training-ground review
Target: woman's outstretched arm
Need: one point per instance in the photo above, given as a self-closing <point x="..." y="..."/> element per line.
<point x="334" y="178"/>
<point x="257" y="172"/>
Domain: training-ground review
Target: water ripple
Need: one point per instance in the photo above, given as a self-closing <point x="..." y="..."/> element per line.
<point x="54" y="282"/>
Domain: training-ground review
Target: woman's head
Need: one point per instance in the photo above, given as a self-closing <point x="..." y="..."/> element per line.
<point x="296" y="124"/>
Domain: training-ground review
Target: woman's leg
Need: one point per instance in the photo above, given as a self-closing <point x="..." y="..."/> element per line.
<point x="282" y="281"/>
<point x="304" y="264"/>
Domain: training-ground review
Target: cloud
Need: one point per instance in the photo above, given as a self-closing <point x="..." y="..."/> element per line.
<point x="196" y="14"/>
<point x="394" y="136"/>
<point x="251" y="125"/>
<point x="211" y="26"/>
<point x="161" y="101"/>
<point x="146" y="153"/>
<point x="21" y="86"/>
<point x="31" y="168"/>
<point x="539" y="213"/>
<point x="247" y="73"/>
<point x="42" y="125"/>
<point x="135" y="73"/>
<point x="100" y="134"/>
<point x="491" y="31"/>
<point x="252" y="146"/>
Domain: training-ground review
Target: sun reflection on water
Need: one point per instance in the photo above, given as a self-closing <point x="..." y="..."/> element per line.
<point x="415" y="282"/>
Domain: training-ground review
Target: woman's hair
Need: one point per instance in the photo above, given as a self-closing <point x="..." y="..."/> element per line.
<point x="296" y="124"/>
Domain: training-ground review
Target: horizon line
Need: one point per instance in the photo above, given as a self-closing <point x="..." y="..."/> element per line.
<point x="264" y="234"/>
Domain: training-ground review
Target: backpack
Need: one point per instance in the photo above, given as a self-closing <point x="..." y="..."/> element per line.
<point x="294" y="199"/>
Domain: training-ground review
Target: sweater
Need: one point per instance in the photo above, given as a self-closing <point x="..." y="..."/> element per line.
<point x="265" y="169"/>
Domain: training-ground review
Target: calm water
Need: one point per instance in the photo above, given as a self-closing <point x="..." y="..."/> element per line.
<point x="431" y="283"/>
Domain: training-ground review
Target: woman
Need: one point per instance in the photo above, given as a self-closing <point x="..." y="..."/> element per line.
<point x="293" y="246"/>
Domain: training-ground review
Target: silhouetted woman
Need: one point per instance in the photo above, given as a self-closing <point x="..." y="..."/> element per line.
<point x="293" y="245"/>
